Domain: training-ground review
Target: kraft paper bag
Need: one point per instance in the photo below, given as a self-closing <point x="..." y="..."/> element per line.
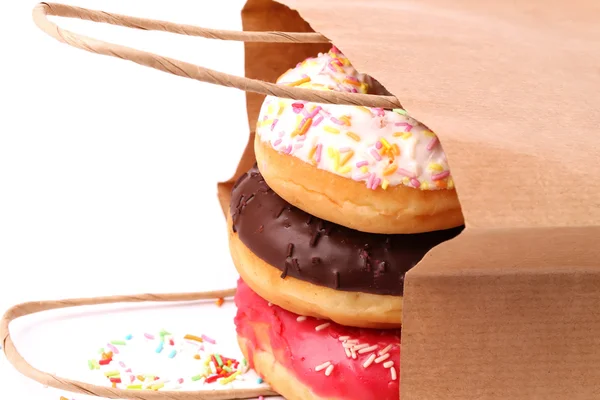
<point x="510" y="308"/>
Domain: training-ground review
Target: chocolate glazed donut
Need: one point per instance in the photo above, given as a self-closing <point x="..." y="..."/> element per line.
<point x="321" y="252"/>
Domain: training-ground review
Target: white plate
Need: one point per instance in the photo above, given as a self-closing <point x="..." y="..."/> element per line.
<point x="62" y="342"/>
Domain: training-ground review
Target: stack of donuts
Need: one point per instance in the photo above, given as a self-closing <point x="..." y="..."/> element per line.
<point x="341" y="203"/>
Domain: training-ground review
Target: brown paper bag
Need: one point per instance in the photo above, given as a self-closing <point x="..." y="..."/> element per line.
<point x="511" y="308"/>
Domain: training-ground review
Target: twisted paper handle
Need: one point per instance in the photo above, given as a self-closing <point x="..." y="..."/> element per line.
<point x="187" y="70"/>
<point x="13" y="356"/>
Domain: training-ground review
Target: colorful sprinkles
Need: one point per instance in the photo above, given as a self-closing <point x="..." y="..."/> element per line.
<point x="209" y="366"/>
<point x="381" y="148"/>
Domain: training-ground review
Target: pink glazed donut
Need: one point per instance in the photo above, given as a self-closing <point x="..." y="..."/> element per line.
<point x="304" y="358"/>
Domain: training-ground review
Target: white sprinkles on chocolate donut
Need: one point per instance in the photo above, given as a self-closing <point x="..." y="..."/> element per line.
<point x="379" y="147"/>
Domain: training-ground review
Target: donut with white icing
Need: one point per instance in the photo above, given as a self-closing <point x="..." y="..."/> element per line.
<point x="369" y="169"/>
<point x="304" y="358"/>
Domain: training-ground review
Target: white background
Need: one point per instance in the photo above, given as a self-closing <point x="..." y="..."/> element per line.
<point x="108" y="175"/>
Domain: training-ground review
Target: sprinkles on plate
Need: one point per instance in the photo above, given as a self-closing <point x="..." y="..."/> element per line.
<point x="211" y="366"/>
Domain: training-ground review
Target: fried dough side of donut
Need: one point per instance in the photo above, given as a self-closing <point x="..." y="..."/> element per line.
<point x="397" y="210"/>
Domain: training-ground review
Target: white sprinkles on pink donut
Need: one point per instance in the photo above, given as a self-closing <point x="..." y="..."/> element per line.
<point x="353" y="348"/>
<point x="379" y="147"/>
